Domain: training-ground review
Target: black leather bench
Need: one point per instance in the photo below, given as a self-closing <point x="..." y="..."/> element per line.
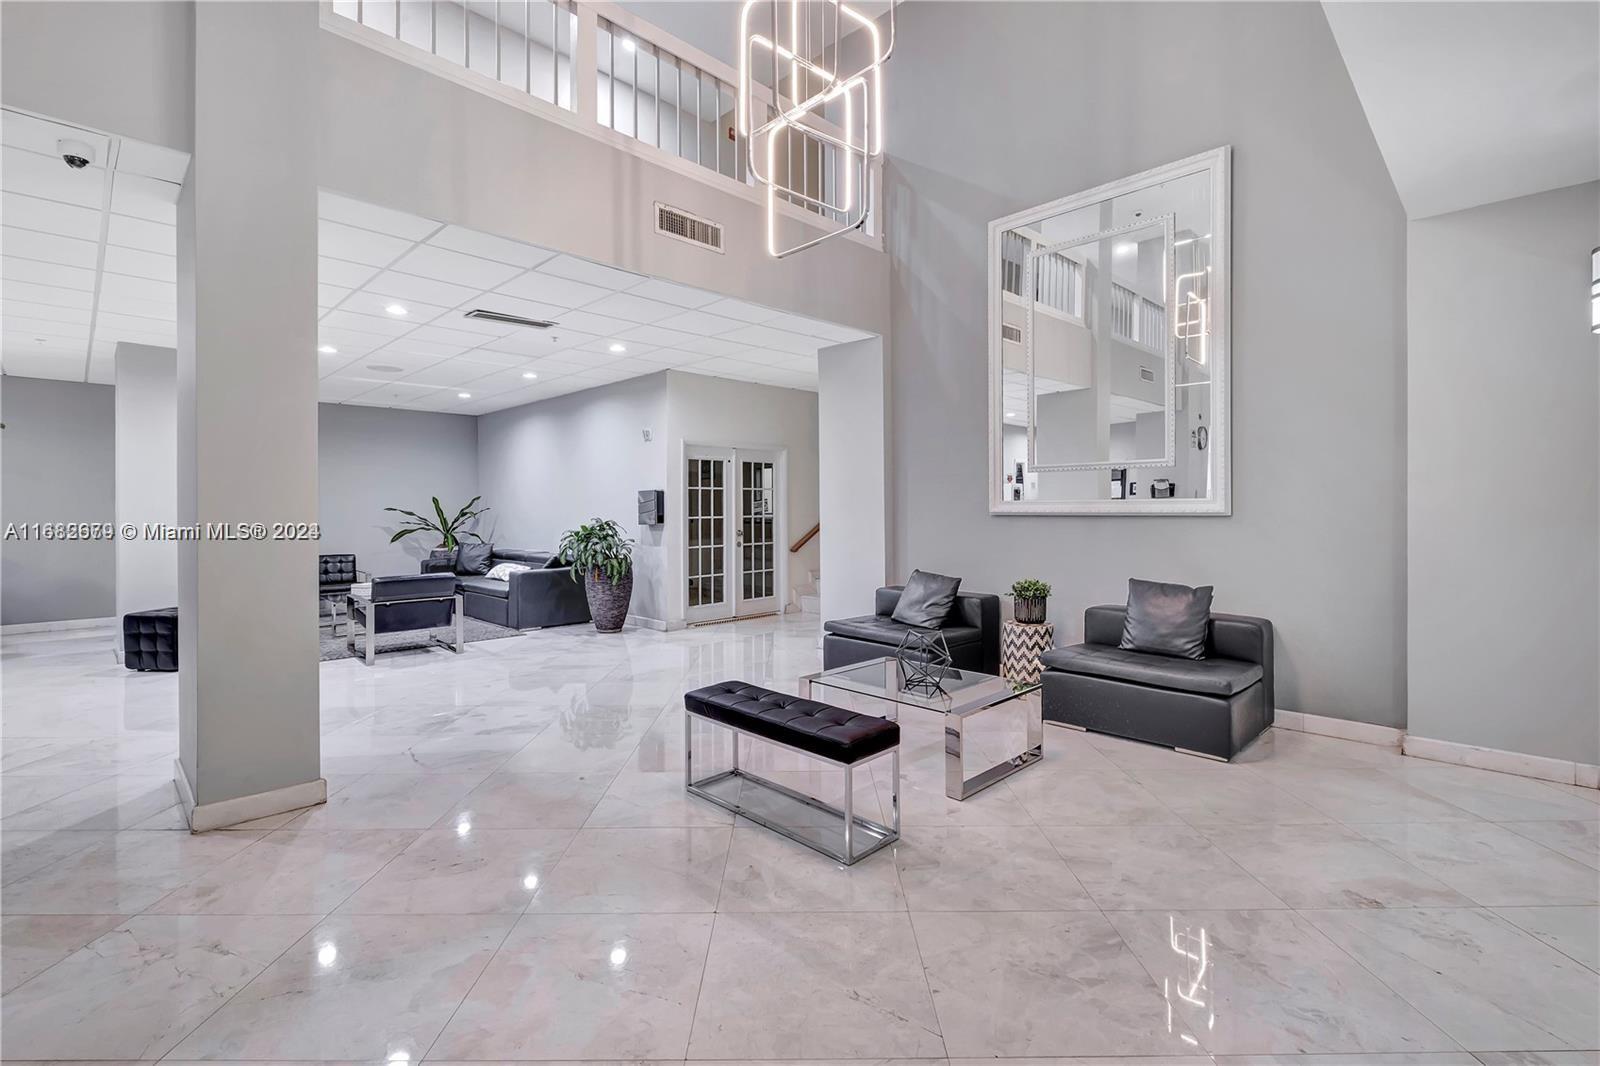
<point x="829" y="734"/>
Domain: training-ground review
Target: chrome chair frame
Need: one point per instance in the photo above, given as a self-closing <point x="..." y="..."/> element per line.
<point x="367" y="610"/>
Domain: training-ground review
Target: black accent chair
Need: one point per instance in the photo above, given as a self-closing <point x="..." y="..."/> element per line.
<point x="150" y="640"/>
<point x="532" y="599"/>
<point x="406" y="604"/>
<point x="335" y="574"/>
<point x="1213" y="706"/>
<point x="972" y="632"/>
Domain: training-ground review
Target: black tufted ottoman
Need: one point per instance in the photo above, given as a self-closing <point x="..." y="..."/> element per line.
<point x="825" y="733"/>
<point x="150" y="639"/>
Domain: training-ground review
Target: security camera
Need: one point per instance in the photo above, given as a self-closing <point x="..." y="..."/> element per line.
<point x="76" y="154"/>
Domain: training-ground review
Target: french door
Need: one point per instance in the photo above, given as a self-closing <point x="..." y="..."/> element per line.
<point x="733" y="508"/>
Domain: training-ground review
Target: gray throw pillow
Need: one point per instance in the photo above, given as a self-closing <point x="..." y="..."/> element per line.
<point x="474" y="559"/>
<point x="555" y="562"/>
<point x="926" y="600"/>
<point x="1165" y="619"/>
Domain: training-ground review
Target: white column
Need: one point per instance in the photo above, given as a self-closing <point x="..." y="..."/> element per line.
<point x="147" y="475"/>
<point x="247" y="415"/>
<point x="852" y="475"/>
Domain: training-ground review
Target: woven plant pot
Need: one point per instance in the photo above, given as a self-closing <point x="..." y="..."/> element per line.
<point x="608" y="603"/>
<point x="1030" y="611"/>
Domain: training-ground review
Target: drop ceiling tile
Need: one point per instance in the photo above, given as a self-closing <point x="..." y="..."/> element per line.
<point x="165" y="308"/>
<point x="412" y="287"/>
<point x="530" y="343"/>
<point x="632" y="308"/>
<point x="656" y="336"/>
<point x="329" y="295"/>
<point x="599" y="325"/>
<point x="560" y="292"/>
<point x="158" y="340"/>
<point x="712" y="346"/>
<point x="49" y="248"/>
<point x="629" y="348"/>
<point x="152" y="161"/>
<point x="370" y="324"/>
<point x="10" y="309"/>
<point x="344" y="273"/>
<point x="744" y="312"/>
<point x="45" y="327"/>
<point x="48" y="178"/>
<point x="485" y="246"/>
<point x="672" y="357"/>
<point x="510" y="305"/>
<point x="56" y="296"/>
<point x="118" y="285"/>
<point x="702" y="324"/>
<point x="723" y="368"/>
<point x="553" y="366"/>
<point x="128" y="232"/>
<point x="50" y="216"/>
<point x="338" y="241"/>
<point x="767" y="337"/>
<point x="456" y="373"/>
<point x="434" y="333"/>
<point x="35" y="134"/>
<point x="18" y="342"/>
<point x="53" y="274"/>
<point x="441" y="264"/>
<point x="328" y="365"/>
<point x="503" y="359"/>
<point x="362" y="215"/>
<point x="102" y="370"/>
<point x="575" y="269"/>
<point x="417" y="313"/>
<point x="147" y="198"/>
<point x="139" y="264"/>
<point x="677" y="295"/>
<point x="64" y="366"/>
<point x="107" y="320"/>
<point x="779" y="360"/>
<point x="412" y="346"/>
<point x="337" y="388"/>
<point x="812" y="327"/>
<point x="388" y="365"/>
<point x="501" y="379"/>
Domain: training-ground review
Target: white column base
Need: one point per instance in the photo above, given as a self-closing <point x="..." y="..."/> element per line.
<point x="206" y="816"/>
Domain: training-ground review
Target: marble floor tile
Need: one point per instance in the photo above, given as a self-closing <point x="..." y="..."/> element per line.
<point x="1068" y="798"/>
<point x="1432" y="1058"/>
<point x="122" y="874"/>
<point x="32" y="943"/>
<point x="1578" y="841"/>
<point x="1498" y="797"/>
<point x="1361" y="794"/>
<point x="356" y="751"/>
<point x="637" y="871"/>
<point x="530" y="801"/>
<point x="768" y="872"/>
<point x="1206" y="797"/>
<point x="1272" y="984"/>
<point x="1290" y="747"/>
<point x="990" y="868"/>
<point x="864" y="994"/>
<point x="482" y="871"/>
<point x="923" y="801"/>
<point x="1490" y="865"/>
<point x="1486" y="983"/>
<point x="1154" y="867"/>
<point x="18" y="793"/>
<point x="1573" y="931"/>
<point x="1330" y="866"/>
<point x="103" y="757"/>
<point x="585" y="987"/>
<point x="391" y="801"/>
<point x="1041" y="984"/>
<point x="1135" y="756"/>
<point x="653" y="799"/>
<point x="112" y="803"/>
<point x="136" y="991"/>
<point x="588" y="739"/>
<point x="289" y="872"/>
<point x="26" y="851"/>
<point x="369" y="987"/>
<point x="1538" y="1058"/>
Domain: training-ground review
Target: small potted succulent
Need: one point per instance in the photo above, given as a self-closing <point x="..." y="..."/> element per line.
<point x="1030" y="595"/>
<point x="603" y="557"/>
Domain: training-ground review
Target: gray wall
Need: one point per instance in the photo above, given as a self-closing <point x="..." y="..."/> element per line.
<point x="1316" y="541"/>
<point x="146" y="474"/>
<point x="369" y="458"/>
<point x="1504" y="458"/>
<point x="57" y="462"/>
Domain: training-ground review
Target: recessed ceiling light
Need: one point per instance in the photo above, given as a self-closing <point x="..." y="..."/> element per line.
<point x="396" y="310"/>
<point x="530" y="375"/>
<point x="327" y="349"/>
<point x="619" y="348"/>
<point x="463" y="395"/>
<point x="384" y="368"/>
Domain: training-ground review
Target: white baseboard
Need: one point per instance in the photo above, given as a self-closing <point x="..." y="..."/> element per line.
<point x="1561" y="771"/>
<point x="647" y="623"/>
<point x="207" y="816"/>
<point x="1340" y="728"/>
<point x="56" y="627"/>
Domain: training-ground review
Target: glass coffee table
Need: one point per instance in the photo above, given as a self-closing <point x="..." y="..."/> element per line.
<point x="962" y="694"/>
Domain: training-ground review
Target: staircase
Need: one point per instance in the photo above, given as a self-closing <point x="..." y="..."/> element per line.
<point x="805" y="597"/>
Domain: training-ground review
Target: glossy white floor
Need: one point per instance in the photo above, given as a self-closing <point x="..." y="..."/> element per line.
<point x="508" y="869"/>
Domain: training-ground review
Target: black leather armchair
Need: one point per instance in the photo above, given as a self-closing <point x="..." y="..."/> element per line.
<point x="1213" y="706"/>
<point x="335" y="574"/>
<point x="405" y="604"/>
<point x="972" y="632"/>
<point x="543" y="596"/>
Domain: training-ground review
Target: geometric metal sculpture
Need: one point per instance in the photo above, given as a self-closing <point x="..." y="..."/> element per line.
<point x="924" y="658"/>
<point x="792" y="118"/>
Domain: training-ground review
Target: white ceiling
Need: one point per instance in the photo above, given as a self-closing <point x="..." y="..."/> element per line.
<point x="1476" y="102"/>
<point x="610" y="324"/>
<point x="87" y="257"/>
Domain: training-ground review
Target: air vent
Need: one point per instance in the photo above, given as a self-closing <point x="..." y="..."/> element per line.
<point x="680" y="225"/>
<point x="510" y="320"/>
<point x="1011" y="333"/>
<point x="385" y="368"/>
<point x="1146" y="374"/>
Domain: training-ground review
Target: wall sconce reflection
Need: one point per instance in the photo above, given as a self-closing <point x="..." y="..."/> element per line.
<point x="1192" y="986"/>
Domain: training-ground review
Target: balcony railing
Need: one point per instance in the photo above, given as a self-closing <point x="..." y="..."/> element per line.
<point x="1058" y="283"/>
<point x="649" y="87"/>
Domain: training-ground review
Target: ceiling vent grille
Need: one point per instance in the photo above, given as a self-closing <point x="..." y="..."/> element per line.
<point x="1011" y="333"/>
<point x="680" y="225"/>
<point x="510" y="320"/>
<point x="1147" y="374"/>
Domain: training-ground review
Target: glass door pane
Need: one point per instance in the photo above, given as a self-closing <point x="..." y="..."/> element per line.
<point x="706" y="546"/>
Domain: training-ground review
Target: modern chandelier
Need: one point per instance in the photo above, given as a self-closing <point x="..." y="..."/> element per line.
<point x="805" y="79"/>
<point x="1594" y="291"/>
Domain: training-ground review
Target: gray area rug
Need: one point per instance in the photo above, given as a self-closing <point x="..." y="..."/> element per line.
<point x="475" y="630"/>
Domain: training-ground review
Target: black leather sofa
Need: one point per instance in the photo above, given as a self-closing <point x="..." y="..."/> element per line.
<point x="1212" y="706"/>
<point x="403" y="604"/>
<point x="972" y="632"/>
<point x="543" y="596"/>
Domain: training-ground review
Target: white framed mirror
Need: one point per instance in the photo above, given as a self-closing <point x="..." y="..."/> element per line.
<point x="1109" y="348"/>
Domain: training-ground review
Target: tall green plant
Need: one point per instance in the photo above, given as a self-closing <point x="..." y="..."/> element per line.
<point x="448" y="530"/>
<point x="598" y="546"/>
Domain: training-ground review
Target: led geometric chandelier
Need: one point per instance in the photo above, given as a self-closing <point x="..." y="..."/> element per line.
<point x="802" y="86"/>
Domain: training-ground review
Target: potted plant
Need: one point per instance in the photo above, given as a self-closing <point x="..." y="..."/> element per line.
<point x="599" y="551"/>
<point x="448" y="530"/>
<point x="1030" y="595"/>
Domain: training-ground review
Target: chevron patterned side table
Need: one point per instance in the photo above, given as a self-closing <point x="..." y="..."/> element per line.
<point x="1021" y="644"/>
